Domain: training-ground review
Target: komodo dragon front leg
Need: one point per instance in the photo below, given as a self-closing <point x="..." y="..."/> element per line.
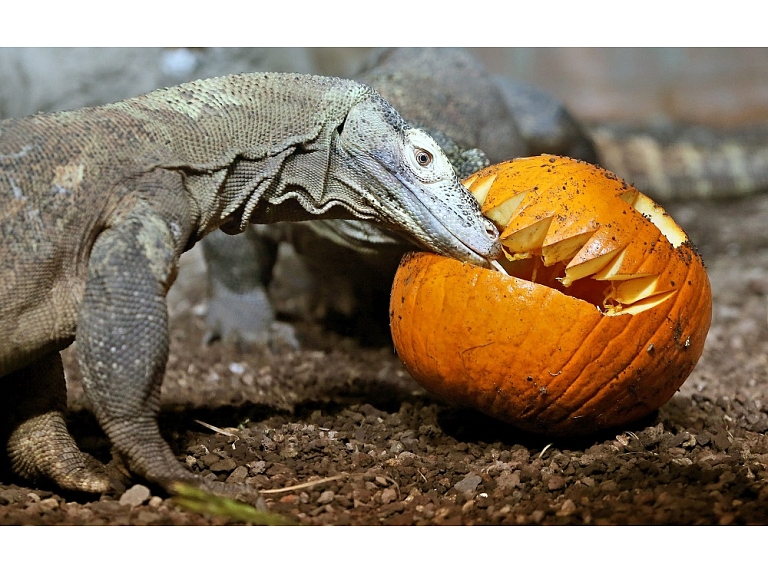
<point x="101" y="202"/>
<point x="122" y="337"/>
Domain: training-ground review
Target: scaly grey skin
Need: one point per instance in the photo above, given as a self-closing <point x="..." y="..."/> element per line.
<point x="449" y="90"/>
<point x="544" y="123"/>
<point x="101" y="202"/>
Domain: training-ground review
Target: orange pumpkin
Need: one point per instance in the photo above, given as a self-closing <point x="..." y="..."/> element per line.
<point x="598" y="317"/>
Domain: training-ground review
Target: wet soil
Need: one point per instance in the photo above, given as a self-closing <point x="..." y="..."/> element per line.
<point x="386" y="452"/>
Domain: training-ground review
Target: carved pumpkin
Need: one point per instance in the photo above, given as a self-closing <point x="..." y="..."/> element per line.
<point x="601" y="319"/>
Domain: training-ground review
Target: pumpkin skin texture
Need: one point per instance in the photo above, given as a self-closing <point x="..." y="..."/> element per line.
<point x="607" y="349"/>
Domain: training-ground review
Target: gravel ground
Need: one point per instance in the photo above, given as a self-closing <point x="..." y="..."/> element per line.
<point x="390" y="454"/>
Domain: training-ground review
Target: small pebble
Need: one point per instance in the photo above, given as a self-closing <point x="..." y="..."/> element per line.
<point x="556" y="482"/>
<point x="238" y="475"/>
<point x="508" y="480"/>
<point x="209" y="459"/>
<point x="227" y="464"/>
<point x="136" y="495"/>
<point x="49" y="504"/>
<point x="388" y="495"/>
<point x="469" y="483"/>
<point x="567" y="509"/>
<point x="326" y="497"/>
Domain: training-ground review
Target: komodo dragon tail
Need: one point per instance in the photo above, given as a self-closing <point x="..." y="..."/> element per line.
<point x="682" y="162"/>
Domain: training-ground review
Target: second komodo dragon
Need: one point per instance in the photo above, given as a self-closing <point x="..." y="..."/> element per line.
<point x="99" y="203"/>
<point x="451" y="95"/>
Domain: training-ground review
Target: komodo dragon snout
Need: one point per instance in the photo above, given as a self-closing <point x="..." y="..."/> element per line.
<point x="412" y="185"/>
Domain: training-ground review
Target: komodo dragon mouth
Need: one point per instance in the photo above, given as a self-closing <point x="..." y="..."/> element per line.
<point x="463" y="250"/>
<point x="462" y="240"/>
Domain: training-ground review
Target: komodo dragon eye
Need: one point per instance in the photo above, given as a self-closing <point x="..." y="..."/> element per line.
<point x="423" y="157"/>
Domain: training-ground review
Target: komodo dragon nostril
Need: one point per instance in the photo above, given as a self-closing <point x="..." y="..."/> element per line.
<point x="491" y="229"/>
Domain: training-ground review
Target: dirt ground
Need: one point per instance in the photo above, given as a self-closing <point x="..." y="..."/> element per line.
<point x="391" y="454"/>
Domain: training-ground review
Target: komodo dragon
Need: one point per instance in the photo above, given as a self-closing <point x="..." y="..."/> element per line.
<point x="99" y="203"/>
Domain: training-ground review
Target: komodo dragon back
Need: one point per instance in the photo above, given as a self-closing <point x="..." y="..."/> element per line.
<point x="100" y="202"/>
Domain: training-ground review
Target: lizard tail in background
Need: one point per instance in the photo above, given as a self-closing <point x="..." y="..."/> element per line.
<point x="668" y="161"/>
<point x="682" y="162"/>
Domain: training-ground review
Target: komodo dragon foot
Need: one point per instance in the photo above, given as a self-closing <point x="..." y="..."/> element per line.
<point x="41" y="448"/>
<point x="39" y="445"/>
<point x="239" y="310"/>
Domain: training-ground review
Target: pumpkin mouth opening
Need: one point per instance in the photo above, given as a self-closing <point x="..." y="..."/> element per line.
<point x="609" y="297"/>
<point x="575" y="255"/>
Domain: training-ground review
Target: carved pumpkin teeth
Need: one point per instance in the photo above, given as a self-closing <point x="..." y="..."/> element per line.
<point x="480" y="188"/>
<point x="564" y="250"/>
<point x="640" y="306"/>
<point x="660" y="218"/>
<point x="629" y="196"/>
<point x="634" y="290"/>
<point x="590" y="234"/>
<point x="505" y="211"/>
<point x="590" y="267"/>
<point x="527" y="240"/>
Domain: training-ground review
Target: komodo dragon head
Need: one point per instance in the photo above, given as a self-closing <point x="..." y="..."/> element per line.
<point x="409" y="182"/>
